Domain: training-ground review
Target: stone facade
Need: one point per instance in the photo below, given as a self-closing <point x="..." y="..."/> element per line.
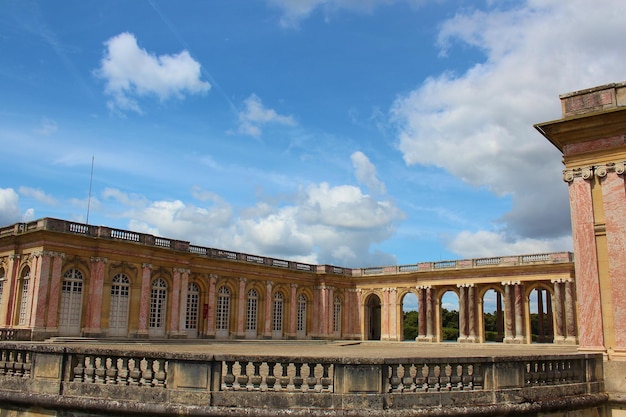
<point x="66" y="279"/>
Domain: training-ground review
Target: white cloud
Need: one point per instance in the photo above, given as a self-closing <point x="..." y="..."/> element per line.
<point x="38" y="195"/>
<point x="478" y="124"/>
<point x="255" y="115"/>
<point x="487" y="244"/>
<point x="47" y="127"/>
<point x="365" y="172"/>
<point x="131" y="72"/>
<point x="9" y="207"/>
<point x="294" y="11"/>
<point x="322" y="224"/>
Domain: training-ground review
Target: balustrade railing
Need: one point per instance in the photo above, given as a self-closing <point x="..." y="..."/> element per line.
<point x="447" y="376"/>
<point x="15" y="363"/>
<point x="94" y="374"/>
<point x="120" y="370"/>
<point x="284" y="376"/>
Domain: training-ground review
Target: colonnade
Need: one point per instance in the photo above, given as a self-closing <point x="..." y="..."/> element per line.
<point x="552" y="301"/>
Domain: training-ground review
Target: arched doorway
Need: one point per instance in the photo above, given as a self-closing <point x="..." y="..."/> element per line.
<point x="541" y="315"/>
<point x="410" y="317"/>
<point x="372" y="317"/>
<point x="449" y="317"/>
<point x="493" y="316"/>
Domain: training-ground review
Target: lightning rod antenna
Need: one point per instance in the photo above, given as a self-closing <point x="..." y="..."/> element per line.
<point x="90" y="184"/>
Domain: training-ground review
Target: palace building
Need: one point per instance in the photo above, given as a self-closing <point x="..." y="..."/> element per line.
<point x="111" y="289"/>
<point x="60" y="278"/>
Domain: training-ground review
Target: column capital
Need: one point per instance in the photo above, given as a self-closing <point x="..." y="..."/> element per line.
<point x="424" y="287"/>
<point x="14" y="256"/>
<point x="465" y="285"/>
<point x="146" y="265"/>
<point x="242" y="279"/>
<point x="98" y="259"/>
<point x="585" y="173"/>
<point x="292" y="285"/>
<point x="181" y="270"/>
<point x="505" y="283"/>
<point x="268" y="284"/>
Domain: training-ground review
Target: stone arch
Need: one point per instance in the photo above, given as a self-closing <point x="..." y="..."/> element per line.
<point x="447" y="328"/>
<point x="409" y="314"/>
<point x="491" y="313"/>
<point x="539" y="298"/>
<point x="373" y="317"/>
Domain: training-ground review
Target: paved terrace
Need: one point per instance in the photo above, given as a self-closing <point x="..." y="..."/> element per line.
<point x="366" y="350"/>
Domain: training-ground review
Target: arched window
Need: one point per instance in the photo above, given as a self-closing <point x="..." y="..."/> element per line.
<point x="120" y="302"/>
<point x="25" y="283"/>
<point x="251" y="313"/>
<point x="337" y="316"/>
<point x="223" y="311"/>
<point x="158" y="307"/>
<point x="193" y="302"/>
<point x="301" y="321"/>
<point x="277" y="323"/>
<point x="70" y="310"/>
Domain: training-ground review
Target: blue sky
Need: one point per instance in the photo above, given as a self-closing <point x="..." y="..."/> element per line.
<point x="345" y="132"/>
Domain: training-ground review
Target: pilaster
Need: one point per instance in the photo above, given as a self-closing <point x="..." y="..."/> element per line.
<point x="94" y="304"/>
<point x="144" y="302"/>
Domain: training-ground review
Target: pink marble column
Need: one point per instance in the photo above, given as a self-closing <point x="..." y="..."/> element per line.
<point x="330" y="297"/>
<point x="9" y="291"/>
<point x="614" y="198"/>
<point x="519" y="313"/>
<point x="558" y="311"/>
<point x="324" y="311"/>
<point x="241" y="309"/>
<point x="384" y="331"/>
<point x="175" y="296"/>
<point x="293" y="305"/>
<point x="94" y="305"/>
<point x="509" y="313"/>
<point x="570" y="313"/>
<point x="144" y="301"/>
<point x="52" y="320"/>
<point x="471" y="314"/>
<point x="430" y="317"/>
<point x="421" y="306"/>
<point x="269" y="302"/>
<point x="462" y="313"/>
<point x="361" y="318"/>
<point x="40" y="296"/>
<point x="393" y="315"/>
<point x="590" y="330"/>
<point x="184" y="289"/>
<point x="210" y="318"/>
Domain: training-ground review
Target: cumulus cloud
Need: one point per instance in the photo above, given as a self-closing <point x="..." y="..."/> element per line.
<point x="477" y="125"/>
<point x="9" y="206"/>
<point x="487" y="244"/>
<point x="365" y="172"/>
<point x="131" y="72"/>
<point x="255" y="115"/>
<point x="38" y="195"/>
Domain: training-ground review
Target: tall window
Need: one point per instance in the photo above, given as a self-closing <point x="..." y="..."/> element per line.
<point x="71" y="303"/>
<point x="193" y="299"/>
<point x="120" y="301"/>
<point x="158" y="306"/>
<point x="223" y="308"/>
<point x="25" y="282"/>
<point x="251" y="311"/>
<point x="278" y="312"/>
<point x="337" y="315"/>
<point x="301" y="322"/>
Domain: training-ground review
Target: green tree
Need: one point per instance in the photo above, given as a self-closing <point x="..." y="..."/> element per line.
<point x="410" y="325"/>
